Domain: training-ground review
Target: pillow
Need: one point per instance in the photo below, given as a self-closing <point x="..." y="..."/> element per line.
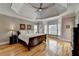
<point x="30" y="32"/>
<point x="23" y="32"/>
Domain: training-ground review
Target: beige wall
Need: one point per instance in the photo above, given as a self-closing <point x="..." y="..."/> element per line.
<point x="6" y="22"/>
<point x="67" y="33"/>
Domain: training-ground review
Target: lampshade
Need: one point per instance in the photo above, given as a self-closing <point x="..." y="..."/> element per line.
<point x="12" y="27"/>
<point x="12" y="30"/>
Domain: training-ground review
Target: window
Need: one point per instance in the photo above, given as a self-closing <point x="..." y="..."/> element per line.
<point x="53" y="29"/>
<point x="35" y="29"/>
<point x="45" y="29"/>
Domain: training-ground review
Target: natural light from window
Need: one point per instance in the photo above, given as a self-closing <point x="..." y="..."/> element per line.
<point x="35" y="29"/>
<point x="45" y="29"/>
<point x="53" y="29"/>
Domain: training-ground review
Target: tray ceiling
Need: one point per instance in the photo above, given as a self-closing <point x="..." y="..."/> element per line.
<point x="26" y="11"/>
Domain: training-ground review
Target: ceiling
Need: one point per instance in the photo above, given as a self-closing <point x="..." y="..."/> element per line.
<point x="27" y="11"/>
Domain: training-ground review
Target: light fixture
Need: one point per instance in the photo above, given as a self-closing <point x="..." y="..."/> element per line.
<point x="12" y="29"/>
<point x="42" y="6"/>
<point x="40" y="10"/>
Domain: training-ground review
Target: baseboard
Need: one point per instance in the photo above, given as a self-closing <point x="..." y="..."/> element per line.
<point x="2" y="43"/>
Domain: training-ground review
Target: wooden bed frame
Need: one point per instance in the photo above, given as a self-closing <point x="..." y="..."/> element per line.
<point x="33" y="41"/>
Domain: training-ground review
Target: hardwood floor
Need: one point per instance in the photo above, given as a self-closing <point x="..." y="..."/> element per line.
<point x="59" y="47"/>
<point x="20" y="50"/>
<point x="52" y="48"/>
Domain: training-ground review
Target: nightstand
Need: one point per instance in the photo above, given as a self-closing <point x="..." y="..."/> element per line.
<point x="13" y="39"/>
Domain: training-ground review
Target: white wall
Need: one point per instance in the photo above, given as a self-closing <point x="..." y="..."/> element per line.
<point x="59" y="26"/>
<point x="6" y="22"/>
<point x="67" y="33"/>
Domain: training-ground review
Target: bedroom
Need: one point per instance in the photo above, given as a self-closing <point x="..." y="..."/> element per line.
<point x="37" y="29"/>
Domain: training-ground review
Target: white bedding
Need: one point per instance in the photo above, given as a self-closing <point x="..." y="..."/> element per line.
<point x="25" y="37"/>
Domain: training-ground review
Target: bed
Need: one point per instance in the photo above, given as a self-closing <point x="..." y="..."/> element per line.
<point x="31" y="39"/>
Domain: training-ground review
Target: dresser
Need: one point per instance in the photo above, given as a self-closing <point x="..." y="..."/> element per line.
<point x="75" y="51"/>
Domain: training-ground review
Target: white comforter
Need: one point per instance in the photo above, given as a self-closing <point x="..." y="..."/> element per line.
<point x="25" y="37"/>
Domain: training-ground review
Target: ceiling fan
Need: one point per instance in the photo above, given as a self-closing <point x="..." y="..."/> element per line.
<point x="41" y="8"/>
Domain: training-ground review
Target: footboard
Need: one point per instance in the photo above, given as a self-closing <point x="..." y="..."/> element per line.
<point x="33" y="41"/>
<point x="36" y="40"/>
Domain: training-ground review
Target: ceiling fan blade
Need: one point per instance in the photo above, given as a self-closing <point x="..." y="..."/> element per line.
<point x="49" y="6"/>
<point x="41" y="5"/>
